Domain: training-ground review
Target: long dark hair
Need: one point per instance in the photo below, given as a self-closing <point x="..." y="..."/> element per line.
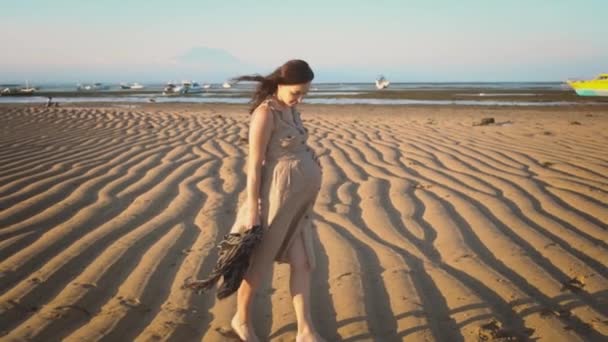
<point x="295" y="71"/>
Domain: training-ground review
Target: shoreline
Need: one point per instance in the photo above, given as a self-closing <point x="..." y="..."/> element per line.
<point x="305" y="107"/>
<point x="473" y="96"/>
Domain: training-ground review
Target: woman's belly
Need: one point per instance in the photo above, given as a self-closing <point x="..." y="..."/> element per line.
<point x="300" y="171"/>
<point x="310" y="171"/>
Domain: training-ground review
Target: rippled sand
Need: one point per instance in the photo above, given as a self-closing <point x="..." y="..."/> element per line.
<point x="428" y="228"/>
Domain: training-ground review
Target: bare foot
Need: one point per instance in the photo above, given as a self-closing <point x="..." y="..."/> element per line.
<point x="243" y="330"/>
<point x="309" y="336"/>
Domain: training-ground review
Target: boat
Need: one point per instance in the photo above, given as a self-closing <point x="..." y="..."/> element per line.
<point x="16" y="90"/>
<point x="170" y="89"/>
<point x="133" y="86"/>
<point x="185" y="88"/>
<point x="206" y="86"/>
<point x="27" y="90"/>
<point x="92" y="87"/>
<point x="595" y="87"/>
<point x="382" y="82"/>
<point x="191" y="87"/>
<point x="8" y="91"/>
<point x="226" y="85"/>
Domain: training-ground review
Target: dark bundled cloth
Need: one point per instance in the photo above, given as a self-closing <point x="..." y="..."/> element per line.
<point x="234" y="253"/>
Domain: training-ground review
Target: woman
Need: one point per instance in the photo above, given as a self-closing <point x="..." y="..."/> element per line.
<point x="283" y="179"/>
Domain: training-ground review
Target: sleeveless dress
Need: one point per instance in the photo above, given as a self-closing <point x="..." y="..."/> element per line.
<point x="290" y="182"/>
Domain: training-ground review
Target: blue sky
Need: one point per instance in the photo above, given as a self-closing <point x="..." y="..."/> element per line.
<point x="427" y="40"/>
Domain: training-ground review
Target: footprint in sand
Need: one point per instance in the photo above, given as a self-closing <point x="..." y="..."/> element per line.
<point x="494" y="331"/>
<point x="422" y="186"/>
<point x="574" y="284"/>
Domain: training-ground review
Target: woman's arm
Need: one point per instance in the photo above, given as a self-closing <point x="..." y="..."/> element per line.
<point x="260" y="129"/>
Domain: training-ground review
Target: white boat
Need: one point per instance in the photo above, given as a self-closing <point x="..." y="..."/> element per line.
<point x="226" y="85"/>
<point x="191" y="87"/>
<point x="15" y="90"/>
<point x="206" y="86"/>
<point x="382" y="82"/>
<point x="92" y="87"/>
<point x="27" y="90"/>
<point x="170" y="89"/>
<point x="133" y="86"/>
<point x="185" y="88"/>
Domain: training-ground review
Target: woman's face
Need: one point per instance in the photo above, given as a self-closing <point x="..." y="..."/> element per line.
<point x="291" y="95"/>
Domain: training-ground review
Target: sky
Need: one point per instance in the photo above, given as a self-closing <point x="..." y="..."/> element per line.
<point x="343" y="41"/>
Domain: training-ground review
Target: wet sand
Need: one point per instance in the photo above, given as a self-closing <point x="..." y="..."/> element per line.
<point x="534" y="95"/>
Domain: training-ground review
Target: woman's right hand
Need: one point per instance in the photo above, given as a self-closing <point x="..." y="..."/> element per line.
<point x="253" y="219"/>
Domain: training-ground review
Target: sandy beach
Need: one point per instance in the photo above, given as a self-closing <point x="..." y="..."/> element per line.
<point x="428" y="228"/>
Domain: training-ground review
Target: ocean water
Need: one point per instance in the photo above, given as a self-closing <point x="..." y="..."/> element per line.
<point x="470" y="94"/>
<point x="343" y="87"/>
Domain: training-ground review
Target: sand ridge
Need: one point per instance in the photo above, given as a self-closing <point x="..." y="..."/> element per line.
<point x="428" y="228"/>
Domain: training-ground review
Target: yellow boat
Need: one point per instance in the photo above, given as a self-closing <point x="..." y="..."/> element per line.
<point x="595" y="87"/>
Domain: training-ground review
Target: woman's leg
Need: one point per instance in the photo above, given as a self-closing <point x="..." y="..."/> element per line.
<point x="299" y="285"/>
<point x="260" y="262"/>
<point x="241" y="322"/>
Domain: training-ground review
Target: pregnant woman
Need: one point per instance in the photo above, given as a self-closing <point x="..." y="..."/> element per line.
<point x="283" y="180"/>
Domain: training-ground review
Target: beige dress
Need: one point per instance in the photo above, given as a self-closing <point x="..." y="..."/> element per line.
<point x="291" y="179"/>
